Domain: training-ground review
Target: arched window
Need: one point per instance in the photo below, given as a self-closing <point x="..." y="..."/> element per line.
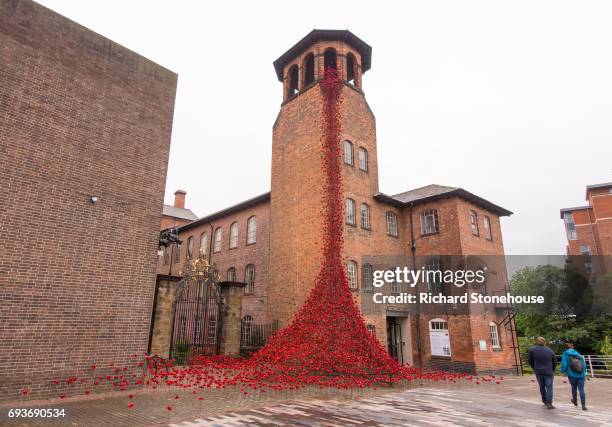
<point x="329" y="59"/>
<point x="251" y="230"/>
<point x="308" y="69"/>
<point x="293" y="80"/>
<point x="350" y="69"/>
<point x="246" y="331"/>
<point x="474" y="222"/>
<point x="166" y="255"/>
<point x="177" y="252"/>
<point x="190" y="247"/>
<point x="363" y="159"/>
<point x="367" y="277"/>
<point x="429" y="222"/>
<point x="204" y="243"/>
<point x="249" y="278"/>
<point x="233" y="240"/>
<point x="350" y="211"/>
<point x="218" y="236"/>
<point x="487" y="228"/>
<point x="483" y="284"/>
<point x="351" y="271"/>
<point x="365" y="216"/>
<point x="392" y="224"/>
<point x="433" y="272"/>
<point x="494" y="333"/>
<point x="439" y="338"/>
<point x="231" y="274"/>
<point x="348" y="152"/>
<point x="371" y="329"/>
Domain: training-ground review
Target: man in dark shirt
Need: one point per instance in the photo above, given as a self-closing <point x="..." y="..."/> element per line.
<point x="543" y="362"/>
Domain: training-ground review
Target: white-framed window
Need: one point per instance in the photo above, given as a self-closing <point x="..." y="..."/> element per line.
<point x="252" y="230"/>
<point x="351" y="272"/>
<point x="433" y="271"/>
<point x="246" y="329"/>
<point x="585" y="250"/>
<point x="365" y="216"/>
<point x="363" y="159"/>
<point x="439" y="338"/>
<point x="487" y="228"/>
<point x="218" y="237"/>
<point x="396" y="287"/>
<point x="350" y="211"/>
<point x="203" y="243"/>
<point x="494" y="333"/>
<point x="231" y="274"/>
<point x="190" y="247"/>
<point x="392" y="224"/>
<point x="474" y="222"/>
<point x="249" y="278"/>
<point x="570" y="225"/>
<point x="429" y="222"/>
<point x="371" y="329"/>
<point x="233" y="240"/>
<point x="348" y="152"/>
<point x="367" y="277"/>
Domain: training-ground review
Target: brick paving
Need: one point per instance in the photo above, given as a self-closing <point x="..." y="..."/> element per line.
<point x="513" y="403"/>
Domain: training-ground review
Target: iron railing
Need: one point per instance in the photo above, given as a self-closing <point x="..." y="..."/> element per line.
<point x="598" y="365"/>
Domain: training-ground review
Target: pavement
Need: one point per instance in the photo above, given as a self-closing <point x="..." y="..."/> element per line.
<point x="514" y="402"/>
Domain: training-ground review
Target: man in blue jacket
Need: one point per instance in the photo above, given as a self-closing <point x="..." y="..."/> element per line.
<point x="574" y="366"/>
<point x="543" y="362"/>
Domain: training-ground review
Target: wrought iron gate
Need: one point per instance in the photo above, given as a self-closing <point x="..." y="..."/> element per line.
<point x="197" y="312"/>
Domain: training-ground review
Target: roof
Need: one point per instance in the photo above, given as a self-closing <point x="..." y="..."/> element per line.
<point x="577" y="208"/>
<point x="227" y="211"/>
<point x="434" y="192"/>
<point x="596" y="186"/>
<point x="314" y="36"/>
<point x="182" y="213"/>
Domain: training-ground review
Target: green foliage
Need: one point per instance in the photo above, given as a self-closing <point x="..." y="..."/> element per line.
<point x="606" y="346"/>
<point x="574" y="309"/>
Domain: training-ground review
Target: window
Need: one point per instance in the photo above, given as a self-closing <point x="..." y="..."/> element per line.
<point x="231" y="274"/>
<point x="570" y="225"/>
<point x="433" y="271"/>
<point x="392" y="224"/>
<point x="365" y="216"/>
<point x="483" y="285"/>
<point x="363" y="159"/>
<point x="396" y="287"/>
<point x="351" y="270"/>
<point x="350" y="68"/>
<point x="204" y="243"/>
<point x="371" y="329"/>
<point x="308" y="69"/>
<point x="487" y="228"/>
<point x="233" y="240"/>
<point x="293" y="81"/>
<point x="348" y="152"/>
<point x="246" y="330"/>
<point x="585" y="250"/>
<point x="251" y="230"/>
<point x="190" y="247"/>
<point x="249" y="278"/>
<point x="474" y="222"/>
<point x="329" y="59"/>
<point x="429" y="222"/>
<point x="439" y="338"/>
<point x="350" y="211"/>
<point x="166" y="255"/>
<point x="494" y="335"/>
<point x="367" y="277"/>
<point x="218" y="236"/>
<point x="177" y="252"/>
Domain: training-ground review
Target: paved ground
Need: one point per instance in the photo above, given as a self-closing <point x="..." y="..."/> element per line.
<point x="513" y="403"/>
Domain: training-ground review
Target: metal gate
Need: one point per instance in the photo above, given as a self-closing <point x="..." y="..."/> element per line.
<point x="197" y="312"/>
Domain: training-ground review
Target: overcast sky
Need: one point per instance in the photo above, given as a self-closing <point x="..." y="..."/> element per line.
<point x="509" y="100"/>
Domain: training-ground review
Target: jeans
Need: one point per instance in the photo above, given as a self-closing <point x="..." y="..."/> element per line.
<point x="546" y="387"/>
<point x="577" y="383"/>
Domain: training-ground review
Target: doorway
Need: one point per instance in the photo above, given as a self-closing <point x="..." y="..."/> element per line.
<point x="394" y="339"/>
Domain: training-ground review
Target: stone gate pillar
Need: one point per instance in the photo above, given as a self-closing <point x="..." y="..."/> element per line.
<point x="232" y="293"/>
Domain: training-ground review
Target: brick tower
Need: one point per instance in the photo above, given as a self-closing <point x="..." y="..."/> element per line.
<point x="296" y="190"/>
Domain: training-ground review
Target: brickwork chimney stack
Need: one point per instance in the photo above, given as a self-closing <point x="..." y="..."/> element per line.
<point x="179" y="198"/>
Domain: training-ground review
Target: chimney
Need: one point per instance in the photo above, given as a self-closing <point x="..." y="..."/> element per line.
<point x="179" y="198"/>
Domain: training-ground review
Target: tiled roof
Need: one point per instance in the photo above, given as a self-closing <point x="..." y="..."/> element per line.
<point x="423" y="192"/>
<point x="181" y="213"/>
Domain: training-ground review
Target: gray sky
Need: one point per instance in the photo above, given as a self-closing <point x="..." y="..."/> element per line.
<point x="509" y="100"/>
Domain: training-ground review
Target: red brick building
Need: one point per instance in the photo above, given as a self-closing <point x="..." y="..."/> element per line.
<point x="176" y="214"/>
<point x="589" y="228"/>
<point x="85" y="130"/>
<point x="273" y="241"/>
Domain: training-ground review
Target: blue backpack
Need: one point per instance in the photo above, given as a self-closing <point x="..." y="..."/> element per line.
<point x="576" y="364"/>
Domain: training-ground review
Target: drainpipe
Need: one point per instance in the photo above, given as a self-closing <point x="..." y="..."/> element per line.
<point x="418" y="311"/>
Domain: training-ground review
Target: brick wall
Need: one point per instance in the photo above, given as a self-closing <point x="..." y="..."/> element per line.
<point x="80" y="116"/>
